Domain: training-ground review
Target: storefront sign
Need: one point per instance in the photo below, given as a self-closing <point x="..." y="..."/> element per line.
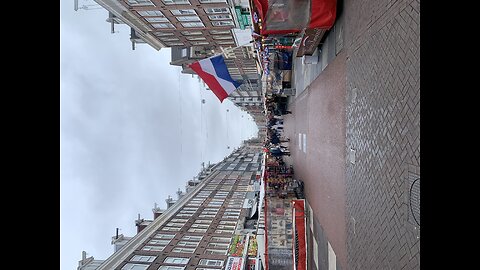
<point x="310" y="41"/>
<point x="238" y="12"/>
<point x="234" y="263"/>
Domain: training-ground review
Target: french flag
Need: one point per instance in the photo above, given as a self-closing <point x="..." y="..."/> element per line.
<point x="214" y="73"/>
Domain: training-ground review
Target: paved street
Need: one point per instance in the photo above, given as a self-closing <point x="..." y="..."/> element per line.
<point x="355" y="139"/>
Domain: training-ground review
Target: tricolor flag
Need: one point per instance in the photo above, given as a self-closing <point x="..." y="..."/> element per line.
<point x="214" y="73"/>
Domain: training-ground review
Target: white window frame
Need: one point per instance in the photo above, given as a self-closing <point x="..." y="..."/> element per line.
<point x="164" y="236"/>
<point x="217" y="11"/>
<point x="176" y="260"/>
<point x="224" y="231"/>
<point x="170" y="267"/>
<point x="176" y="2"/>
<point x="224" y="23"/>
<point x="190" y="25"/>
<point x="198" y="43"/>
<point x="153" y="248"/>
<point x="183" y="250"/>
<point x="212" y="251"/>
<point x="197" y="230"/>
<point x="219" y="17"/>
<point x="170" y="229"/>
<point x="169" y="25"/>
<point x="192" y="238"/>
<point x="221" y="239"/>
<point x="134" y="3"/>
<point x="156" y="19"/>
<point x="148" y="13"/>
<point x="161" y="242"/>
<point x="135" y="266"/>
<point x="203" y="221"/>
<point x="179" y="220"/>
<point x="218" y="245"/>
<point x="179" y="12"/>
<point x="184" y="243"/>
<point x="143" y="258"/>
<point x="210" y="262"/>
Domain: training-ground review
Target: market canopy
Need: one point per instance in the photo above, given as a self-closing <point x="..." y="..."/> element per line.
<point x="287" y="16"/>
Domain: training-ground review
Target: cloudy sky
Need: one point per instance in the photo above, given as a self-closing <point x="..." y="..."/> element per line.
<point x="133" y="130"/>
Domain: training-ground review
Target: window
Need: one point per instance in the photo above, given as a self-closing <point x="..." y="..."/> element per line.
<point x="184" y="52"/>
<point x="204" y="221"/>
<point x="168" y="267"/>
<point x="219" y="32"/>
<point x="192" y="237"/>
<point x="216" y="10"/>
<point x="156" y="19"/>
<point x="163" y="34"/>
<point x="159" y="242"/>
<point x="200" y="43"/>
<point x="171" y="229"/>
<point x="222" y="37"/>
<point x="175" y="2"/>
<point x="164" y="236"/>
<point x="183" y="250"/>
<point x="223" y="231"/>
<point x="163" y="25"/>
<point x="228" y="222"/>
<point x="183" y="12"/>
<point x="220" y="17"/>
<point x="208" y="262"/>
<point x="188" y="18"/>
<point x="222" y="23"/>
<point x="218" y="245"/>
<point x="225" y="42"/>
<point x="151" y="13"/>
<point x="193" y="24"/>
<point x="179" y="220"/>
<point x="213" y="1"/>
<point x="230" y="227"/>
<point x="195" y="230"/>
<point x="153" y="248"/>
<point x="187" y="244"/>
<point x="216" y="251"/>
<point x="140" y="3"/>
<point x="134" y="266"/>
<point x="176" y="260"/>
<point x="196" y="225"/>
<point x="221" y="239"/>
<point x="142" y="258"/>
<point x="203" y="268"/>
<point x="173" y="224"/>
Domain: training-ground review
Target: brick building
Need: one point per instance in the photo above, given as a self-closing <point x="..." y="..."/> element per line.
<point x="209" y="227"/>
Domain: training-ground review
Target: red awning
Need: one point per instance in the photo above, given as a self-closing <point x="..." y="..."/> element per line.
<point x="288" y="16"/>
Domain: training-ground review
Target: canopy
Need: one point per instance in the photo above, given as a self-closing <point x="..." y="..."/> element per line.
<point x="287" y="16"/>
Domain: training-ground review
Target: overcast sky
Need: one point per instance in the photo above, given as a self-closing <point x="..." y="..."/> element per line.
<point x="133" y="130"/>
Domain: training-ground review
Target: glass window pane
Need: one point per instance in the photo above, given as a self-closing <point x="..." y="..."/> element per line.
<point x="183" y="12"/>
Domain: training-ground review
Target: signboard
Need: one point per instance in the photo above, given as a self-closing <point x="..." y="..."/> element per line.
<point x="238" y="12"/>
<point x="310" y="40"/>
<point x="234" y="263"/>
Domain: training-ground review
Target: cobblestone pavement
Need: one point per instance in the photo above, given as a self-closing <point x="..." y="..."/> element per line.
<point x="383" y="128"/>
<point x="381" y="46"/>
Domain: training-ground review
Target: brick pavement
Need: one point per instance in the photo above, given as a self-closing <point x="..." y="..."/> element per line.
<point x="383" y="126"/>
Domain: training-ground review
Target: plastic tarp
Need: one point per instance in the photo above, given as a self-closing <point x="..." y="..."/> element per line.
<point x="287" y="16"/>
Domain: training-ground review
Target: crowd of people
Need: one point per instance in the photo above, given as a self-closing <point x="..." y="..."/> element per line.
<point x="279" y="175"/>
